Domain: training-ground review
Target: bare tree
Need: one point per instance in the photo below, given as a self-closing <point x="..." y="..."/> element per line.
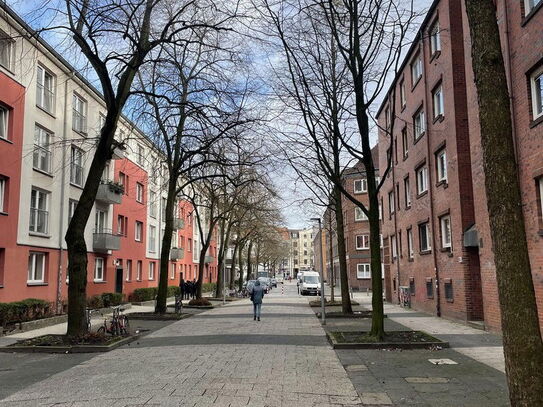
<point x="522" y="344"/>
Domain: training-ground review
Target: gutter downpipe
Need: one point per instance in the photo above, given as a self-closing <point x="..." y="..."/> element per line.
<point x="430" y="183"/>
<point x="62" y="196"/>
<point x="393" y="156"/>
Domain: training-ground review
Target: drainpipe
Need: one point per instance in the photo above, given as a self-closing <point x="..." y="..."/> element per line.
<point x="394" y="153"/>
<point x="62" y="196"/>
<point x="430" y="183"/>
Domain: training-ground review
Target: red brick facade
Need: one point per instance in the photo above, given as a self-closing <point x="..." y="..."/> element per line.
<point x="455" y="276"/>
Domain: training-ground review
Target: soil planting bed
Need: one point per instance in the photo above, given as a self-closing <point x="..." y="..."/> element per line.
<point x="392" y="340"/>
<point x="169" y="316"/>
<point x="317" y="303"/>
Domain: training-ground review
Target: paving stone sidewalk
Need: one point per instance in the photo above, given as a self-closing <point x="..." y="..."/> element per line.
<point x="218" y="358"/>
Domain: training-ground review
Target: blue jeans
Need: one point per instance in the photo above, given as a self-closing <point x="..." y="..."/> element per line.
<point x="257" y="308"/>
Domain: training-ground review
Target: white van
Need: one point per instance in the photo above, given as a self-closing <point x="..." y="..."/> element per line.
<point x="310" y="283"/>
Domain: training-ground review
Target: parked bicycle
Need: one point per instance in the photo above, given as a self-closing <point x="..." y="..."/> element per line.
<point x="88" y="314"/>
<point x="117" y="325"/>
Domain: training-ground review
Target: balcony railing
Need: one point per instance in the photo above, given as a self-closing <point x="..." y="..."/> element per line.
<point x="104" y="240"/>
<point x="178" y="223"/>
<point x="177" y="253"/>
<point x="110" y="192"/>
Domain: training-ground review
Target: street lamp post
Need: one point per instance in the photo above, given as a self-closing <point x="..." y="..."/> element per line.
<point x="323" y="311"/>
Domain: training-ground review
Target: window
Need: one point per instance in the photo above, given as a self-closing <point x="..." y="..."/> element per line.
<point x="139" y="231"/>
<point x="402" y="94"/>
<point x="99" y="269"/>
<point x="393" y="247"/>
<point x="100" y="221"/>
<point x="42" y="150"/>
<point x="435" y="38"/>
<point x="4" y="118"/>
<point x="122" y="225"/>
<point x="45" y="90"/>
<point x="152" y="204"/>
<point x="71" y="209"/>
<point x="416" y="69"/>
<point x="437" y="99"/>
<point x="174" y="272"/>
<point x="529" y="5"/>
<point x="429" y="288"/>
<point x="128" y="270"/>
<point x="445" y="225"/>
<point x="422" y="179"/>
<point x="360" y="186"/>
<point x="410" y="243"/>
<point x="390" y="203"/>
<point x="79" y="120"/>
<point x="419" y="125"/>
<point x="539" y="193"/>
<point x="139" y="268"/>
<point x="39" y="211"/>
<point x="36" y="267"/>
<point x="407" y="192"/>
<point x="441" y="163"/>
<point x="359" y="215"/>
<point x="139" y="192"/>
<point x="189" y="242"/>
<point x="424" y="237"/>
<point x="536" y="82"/>
<point x="76" y="166"/>
<point x="362" y="242"/>
<point x="152" y="239"/>
<point x="163" y="211"/>
<point x="7" y="46"/>
<point x="3" y="205"/>
<point x="140" y="155"/>
<point x="412" y="286"/>
<point x="449" y="295"/>
<point x="363" y="271"/>
<point x="152" y="270"/>
<point x="405" y="142"/>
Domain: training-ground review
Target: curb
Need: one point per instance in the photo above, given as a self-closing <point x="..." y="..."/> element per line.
<point x="385" y="345"/>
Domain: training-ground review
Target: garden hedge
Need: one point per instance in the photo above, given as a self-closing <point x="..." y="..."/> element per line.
<point x="23" y="311"/>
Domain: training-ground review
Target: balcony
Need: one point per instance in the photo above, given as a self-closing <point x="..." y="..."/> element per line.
<point x="176" y="253"/>
<point x="208" y="259"/>
<point x="110" y="192"/>
<point x="105" y="240"/>
<point x="178" y="223"/>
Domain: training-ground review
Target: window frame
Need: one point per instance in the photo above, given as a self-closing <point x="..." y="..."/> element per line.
<point x="444" y="244"/>
<point x="441" y="166"/>
<point x="364" y="186"/>
<point x="31" y="273"/>
<point x="151" y="271"/>
<point x="403" y="99"/>
<point x="416" y="62"/>
<point x="528" y="8"/>
<point x="76" y="163"/>
<point x="128" y="277"/>
<point x="422" y="187"/>
<point x="407" y="192"/>
<point x="139" y="192"/>
<point x="3" y="194"/>
<point x="139" y="270"/>
<point x="428" y="240"/>
<point x="6" y="39"/>
<point x="438" y="102"/>
<point x="362" y="217"/>
<point x="152" y="204"/>
<point x="435" y="38"/>
<point x="101" y="278"/>
<point x="41" y="149"/>
<point x="405" y="143"/>
<point x="47" y="195"/>
<point x="151" y="243"/>
<point x="419" y="130"/>
<point x="42" y="91"/>
<point x="138" y="230"/>
<point x="410" y="246"/>
<point x="366" y="271"/>
<point x="537" y="74"/>
<point x="365" y="242"/>
<point x="4" y="122"/>
<point x="79" y="118"/>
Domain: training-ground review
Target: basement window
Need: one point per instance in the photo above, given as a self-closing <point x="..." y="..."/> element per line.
<point x="429" y="288"/>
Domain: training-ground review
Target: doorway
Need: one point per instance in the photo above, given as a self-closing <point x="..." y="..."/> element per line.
<point x="119" y="280"/>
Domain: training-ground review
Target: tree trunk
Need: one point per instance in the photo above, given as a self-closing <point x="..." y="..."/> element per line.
<point x="233" y="268"/>
<point x="240" y="281"/>
<point x="162" y="294"/>
<point x="342" y="255"/>
<point x="75" y="235"/>
<point x="221" y="272"/>
<point x="377" y="309"/>
<point x="249" y="265"/>
<point x="522" y="344"/>
<point x="332" y="277"/>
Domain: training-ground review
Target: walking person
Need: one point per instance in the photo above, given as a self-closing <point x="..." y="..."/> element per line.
<point x="182" y="287"/>
<point x="256" y="297"/>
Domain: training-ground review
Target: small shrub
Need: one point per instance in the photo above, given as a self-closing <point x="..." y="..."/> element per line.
<point x="23" y="311"/>
<point x="209" y="287"/>
<point x="112" y="299"/>
<point x="199" y="302"/>
<point x="173" y="290"/>
<point x="95" y="301"/>
<point x="144" y="294"/>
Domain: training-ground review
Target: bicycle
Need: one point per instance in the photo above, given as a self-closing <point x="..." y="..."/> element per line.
<point x="118" y="324"/>
<point x="88" y="315"/>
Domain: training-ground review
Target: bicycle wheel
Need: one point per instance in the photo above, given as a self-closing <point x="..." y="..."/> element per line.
<point x="101" y="330"/>
<point x="124" y="325"/>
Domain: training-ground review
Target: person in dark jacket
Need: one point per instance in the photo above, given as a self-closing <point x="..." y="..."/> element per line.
<point x="256" y="297"/>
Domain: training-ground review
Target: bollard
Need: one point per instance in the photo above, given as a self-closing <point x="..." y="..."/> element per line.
<point x="282" y="290"/>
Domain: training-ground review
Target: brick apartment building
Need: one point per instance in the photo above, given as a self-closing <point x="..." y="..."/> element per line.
<point x="49" y="116"/>
<point x="356" y="227"/>
<point x="435" y="223"/>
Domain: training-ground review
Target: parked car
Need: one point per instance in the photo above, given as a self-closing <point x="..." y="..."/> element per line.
<point x="274" y="282"/>
<point x="310" y="283"/>
<point x="279" y="278"/>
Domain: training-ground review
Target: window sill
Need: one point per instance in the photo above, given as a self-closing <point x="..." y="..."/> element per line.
<point x="430" y="298"/>
<point x="435" y="55"/>
<point x="449" y="300"/>
<point x="444" y="183"/>
<point x="76" y="186"/>
<point x="537" y="121"/>
<point x="445" y="250"/>
<point x="99" y="281"/>
<point x="425" y="252"/>
<point x="405" y="156"/>
<point x="80" y="132"/>
<point x="417" y="139"/>
<point x="411" y="259"/>
<point x="407" y="207"/>
<point x="46" y="112"/>
<point x="422" y="194"/>
<point x="531" y="14"/>
<point x="43" y="172"/>
<point x="2" y="213"/>
<point x="36" y="284"/>
<point x="37" y="234"/>
<point x="416" y="83"/>
<point x="438" y="118"/>
<point x="6" y="140"/>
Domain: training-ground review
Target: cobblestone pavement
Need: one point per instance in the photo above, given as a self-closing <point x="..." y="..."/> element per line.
<point x="219" y="358"/>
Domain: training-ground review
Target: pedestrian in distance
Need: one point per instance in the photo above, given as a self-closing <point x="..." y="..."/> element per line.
<point x="256" y="297"/>
<point x="182" y="288"/>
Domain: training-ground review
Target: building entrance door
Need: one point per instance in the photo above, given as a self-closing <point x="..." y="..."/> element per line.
<point x="119" y="280"/>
